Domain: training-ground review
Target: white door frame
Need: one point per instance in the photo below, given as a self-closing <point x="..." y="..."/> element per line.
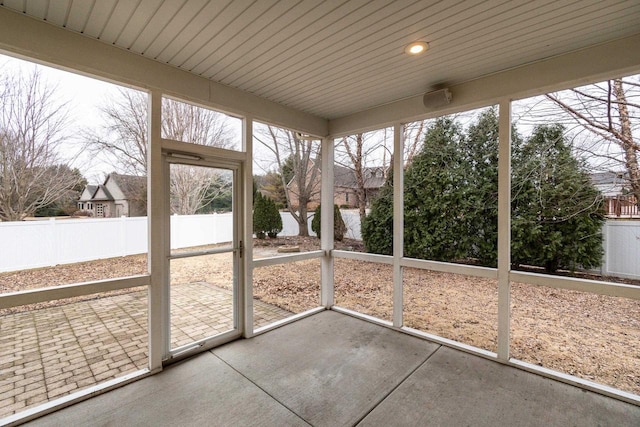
<point x="174" y="152"/>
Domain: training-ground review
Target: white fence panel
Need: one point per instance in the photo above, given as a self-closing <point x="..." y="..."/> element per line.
<point x="24" y="245"/>
<point x="621" y="249"/>
<point x="50" y="242"/>
<point x="76" y="240"/>
<point x="199" y="230"/>
<point x="44" y="243"/>
<point x="135" y="235"/>
<point x="290" y="226"/>
<point x="351" y="219"/>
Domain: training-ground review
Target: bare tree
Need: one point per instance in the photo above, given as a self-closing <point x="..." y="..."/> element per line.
<point x="353" y="154"/>
<point x="124" y="140"/>
<point x="414" y="134"/>
<point x="193" y="187"/>
<point x="358" y="154"/>
<point x="187" y="198"/>
<point x="189" y="123"/>
<point x="287" y="149"/>
<point x="610" y="111"/>
<point x="32" y="125"/>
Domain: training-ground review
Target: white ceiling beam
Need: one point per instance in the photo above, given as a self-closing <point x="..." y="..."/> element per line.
<point x="44" y="43"/>
<point x="597" y="63"/>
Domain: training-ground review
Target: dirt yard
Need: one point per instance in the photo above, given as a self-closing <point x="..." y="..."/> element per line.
<point x="591" y="336"/>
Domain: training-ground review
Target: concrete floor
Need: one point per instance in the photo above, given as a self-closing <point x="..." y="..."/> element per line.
<point x="334" y="370"/>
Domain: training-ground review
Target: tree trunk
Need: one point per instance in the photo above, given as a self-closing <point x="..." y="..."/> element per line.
<point x="362" y="204"/>
<point x="357" y="159"/>
<point x="628" y="145"/>
<point x="302" y="219"/>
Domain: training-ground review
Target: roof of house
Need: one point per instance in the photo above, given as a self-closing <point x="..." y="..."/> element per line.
<point x="610" y="183"/>
<point x="344" y="177"/>
<point x="609" y="178"/>
<point x="101" y="188"/>
<point x="90" y="191"/>
<point x="132" y="186"/>
<point x="374" y="177"/>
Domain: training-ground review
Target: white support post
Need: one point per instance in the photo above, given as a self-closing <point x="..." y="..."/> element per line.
<point x="398" y="224"/>
<point x="247" y="260"/>
<point x="158" y="304"/>
<point x="326" y="226"/>
<point x="504" y="230"/>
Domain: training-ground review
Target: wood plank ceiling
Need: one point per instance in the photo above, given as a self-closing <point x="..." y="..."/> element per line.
<point x="337" y="57"/>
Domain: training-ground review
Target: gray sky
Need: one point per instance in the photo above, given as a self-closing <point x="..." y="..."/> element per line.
<point x="83" y="96"/>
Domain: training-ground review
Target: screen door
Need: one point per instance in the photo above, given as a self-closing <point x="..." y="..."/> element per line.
<point x="205" y="252"/>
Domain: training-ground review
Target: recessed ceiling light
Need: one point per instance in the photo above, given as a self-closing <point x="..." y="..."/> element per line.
<point x="416" y="48"/>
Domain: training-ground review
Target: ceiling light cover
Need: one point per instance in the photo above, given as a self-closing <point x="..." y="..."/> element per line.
<point x="416" y="48"/>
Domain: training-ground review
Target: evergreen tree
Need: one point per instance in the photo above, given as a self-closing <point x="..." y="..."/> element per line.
<point x="377" y="227"/>
<point x="481" y="152"/>
<point x="272" y="185"/>
<point x="288" y="169"/>
<point x="438" y="208"/>
<point x="218" y="197"/>
<point x="451" y="200"/>
<point x="260" y="220"/>
<point x="274" y="220"/>
<point x="339" y="227"/>
<point x="557" y="213"/>
<point x="266" y="217"/>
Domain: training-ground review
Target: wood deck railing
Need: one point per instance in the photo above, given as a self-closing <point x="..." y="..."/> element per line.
<point x="623" y="206"/>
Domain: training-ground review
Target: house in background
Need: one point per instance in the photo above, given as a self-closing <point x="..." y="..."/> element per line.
<point x="85" y="202"/>
<point x="345" y="186"/>
<point x="618" y="202"/>
<point x="120" y="195"/>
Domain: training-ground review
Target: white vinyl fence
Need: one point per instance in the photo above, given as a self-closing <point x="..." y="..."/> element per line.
<point x="50" y="242"/>
<point x="198" y="230"/>
<point x="621" y="249"/>
<point x="33" y="244"/>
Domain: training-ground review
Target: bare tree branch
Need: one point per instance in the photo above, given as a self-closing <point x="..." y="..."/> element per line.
<point x="301" y="184"/>
<point x="124" y="140"/>
<point x="32" y="128"/>
<point x="610" y="118"/>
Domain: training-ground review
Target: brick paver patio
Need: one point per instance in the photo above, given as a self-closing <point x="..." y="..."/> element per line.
<point x="51" y="352"/>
